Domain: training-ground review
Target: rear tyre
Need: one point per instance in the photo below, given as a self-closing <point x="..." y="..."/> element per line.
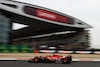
<point x="69" y="59"/>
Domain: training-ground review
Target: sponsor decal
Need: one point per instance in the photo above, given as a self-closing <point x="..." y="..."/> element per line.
<point x="61" y="18"/>
<point x="46" y="14"/>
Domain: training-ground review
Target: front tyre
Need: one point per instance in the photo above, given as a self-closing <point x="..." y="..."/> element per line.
<point x="65" y="60"/>
<point x="36" y="60"/>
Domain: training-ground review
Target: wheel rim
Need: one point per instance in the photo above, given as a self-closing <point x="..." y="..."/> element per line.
<point x="36" y="59"/>
<point x="65" y="60"/>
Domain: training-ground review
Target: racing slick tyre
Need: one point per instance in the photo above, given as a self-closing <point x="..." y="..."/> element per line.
<point x="65" y="60"/>
<point x="36" y="60"/>
<point x="69" y="59"/>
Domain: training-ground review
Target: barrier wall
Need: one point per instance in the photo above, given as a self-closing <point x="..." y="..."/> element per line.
<point x="15" y="49"/>
<point x="70" y="52"/>
<point x="26" y="49"/>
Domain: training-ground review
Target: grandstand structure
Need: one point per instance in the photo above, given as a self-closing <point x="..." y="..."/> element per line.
<point x="76" y="40"/>
<point x="47" y="28"/>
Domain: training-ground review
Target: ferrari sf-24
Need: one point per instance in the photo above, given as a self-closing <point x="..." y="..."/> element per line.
<point x="51" y="58"/>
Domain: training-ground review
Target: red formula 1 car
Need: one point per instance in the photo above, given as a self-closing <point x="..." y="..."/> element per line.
<point x="52" y="58"/>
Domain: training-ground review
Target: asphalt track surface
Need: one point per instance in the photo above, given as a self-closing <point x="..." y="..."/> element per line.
<point x="26" y="64"/>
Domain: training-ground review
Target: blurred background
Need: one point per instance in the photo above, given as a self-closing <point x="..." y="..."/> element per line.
<point x="21" y="35"/>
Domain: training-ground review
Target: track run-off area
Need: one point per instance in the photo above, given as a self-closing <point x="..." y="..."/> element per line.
<point x="26" y="56"/>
